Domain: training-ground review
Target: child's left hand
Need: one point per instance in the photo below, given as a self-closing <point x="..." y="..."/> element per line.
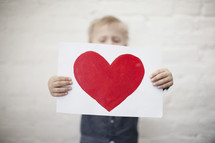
<point x="162" y="78"/>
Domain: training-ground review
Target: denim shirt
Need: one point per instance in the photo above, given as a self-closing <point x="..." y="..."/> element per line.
<point x="108" y="129"/>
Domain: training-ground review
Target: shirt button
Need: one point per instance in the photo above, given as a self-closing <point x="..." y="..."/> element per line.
<point x="112" y="121"/>
<point x="112" y="142"/>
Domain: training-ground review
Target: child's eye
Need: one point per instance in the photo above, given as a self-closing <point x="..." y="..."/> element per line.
<point x="102" y="40"/>
<point x="116" y="40"/>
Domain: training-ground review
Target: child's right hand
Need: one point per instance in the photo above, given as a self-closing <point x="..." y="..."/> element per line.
<point x="57" y="85"/>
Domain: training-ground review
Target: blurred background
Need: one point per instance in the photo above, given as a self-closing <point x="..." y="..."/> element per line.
<point x="30" y="31"/>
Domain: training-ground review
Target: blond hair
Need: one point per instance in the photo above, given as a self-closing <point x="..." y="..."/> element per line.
<point x="110" y="21"/>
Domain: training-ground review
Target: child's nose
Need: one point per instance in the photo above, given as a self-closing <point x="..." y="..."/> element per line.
<point x="110" y="42"/>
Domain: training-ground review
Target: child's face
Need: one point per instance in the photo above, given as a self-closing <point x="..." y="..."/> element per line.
<point x="108" y="35"/>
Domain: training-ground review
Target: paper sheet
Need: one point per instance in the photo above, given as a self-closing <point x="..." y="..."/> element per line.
<point x="145" y="101"/>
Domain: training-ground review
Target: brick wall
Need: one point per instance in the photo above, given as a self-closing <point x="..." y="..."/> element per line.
<point x="30" y="31"/>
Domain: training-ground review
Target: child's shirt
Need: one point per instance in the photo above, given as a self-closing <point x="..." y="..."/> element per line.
<point x="107" y="129"/>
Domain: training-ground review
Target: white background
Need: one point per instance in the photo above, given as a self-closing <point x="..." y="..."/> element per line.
<point x="30" y="31"/>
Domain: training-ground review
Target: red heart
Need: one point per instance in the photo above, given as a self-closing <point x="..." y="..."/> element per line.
<point x="108" y="84"/>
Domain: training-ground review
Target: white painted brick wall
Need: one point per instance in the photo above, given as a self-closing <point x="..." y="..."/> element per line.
<point x="30" y="31"/>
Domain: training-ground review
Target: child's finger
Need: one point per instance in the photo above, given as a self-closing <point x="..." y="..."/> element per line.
<point x="168" y="84"/>
<point x="59" y="94"/>
<point x="61" y="90"/>
<point x="63" y="78"/>
<point x="162" y="81"/>
<point x="61" y="83"/>
<point x="159" y="76"/>
<point x="156" y="73"/>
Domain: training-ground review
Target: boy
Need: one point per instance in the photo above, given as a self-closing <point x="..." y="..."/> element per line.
<point x="106" y="129"/>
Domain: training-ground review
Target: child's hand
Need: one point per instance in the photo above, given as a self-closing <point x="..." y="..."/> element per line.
<point x="162" y="78"/>
<point x="56" y="85"/>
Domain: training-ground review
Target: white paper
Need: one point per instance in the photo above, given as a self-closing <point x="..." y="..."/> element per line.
<point x="145" y="101"/>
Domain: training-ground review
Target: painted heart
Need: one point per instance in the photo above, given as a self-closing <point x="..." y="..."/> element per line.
<point x="108" y="84"/>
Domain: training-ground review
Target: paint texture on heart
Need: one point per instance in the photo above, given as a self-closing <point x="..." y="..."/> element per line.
<point x="108" y="84"/>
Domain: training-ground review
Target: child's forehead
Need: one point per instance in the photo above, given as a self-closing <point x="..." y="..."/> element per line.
<point x="108" y="27"/>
